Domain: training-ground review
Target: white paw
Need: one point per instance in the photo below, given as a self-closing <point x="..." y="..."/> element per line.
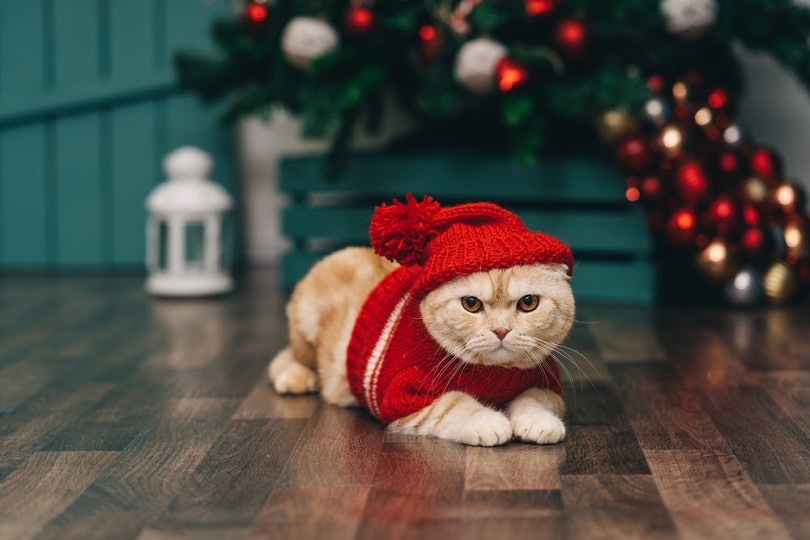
<point x="538" y="426"/>
<point x="295" y="379"/>
<point x="486" y="428"/>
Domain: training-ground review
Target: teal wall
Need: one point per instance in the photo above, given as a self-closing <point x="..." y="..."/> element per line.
<point x="88" y="109"/>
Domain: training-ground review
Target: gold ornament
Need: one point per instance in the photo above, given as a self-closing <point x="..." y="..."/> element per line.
<point x="615" y="124"/>
<point x="797" y="237"/>
<point x="717" y="261"/>
<point x="671" y="139"/>
<point x="779" y="282"/>
<point x="754" y="190"/>
<point x="789" y="197"/>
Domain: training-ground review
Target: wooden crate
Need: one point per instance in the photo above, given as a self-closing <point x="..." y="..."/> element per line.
<point x="581" y="201"/>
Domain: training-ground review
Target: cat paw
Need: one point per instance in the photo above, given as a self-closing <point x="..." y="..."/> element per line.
<point x="295" y="379"/>
<point x="487" y="428"/>
<point x="538" y="426"/>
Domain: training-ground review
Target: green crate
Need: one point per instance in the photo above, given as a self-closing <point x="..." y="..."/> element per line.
<point x="580" y="201"/>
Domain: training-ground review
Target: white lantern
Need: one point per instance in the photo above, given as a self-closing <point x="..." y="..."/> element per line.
<point x="184" y="238"/>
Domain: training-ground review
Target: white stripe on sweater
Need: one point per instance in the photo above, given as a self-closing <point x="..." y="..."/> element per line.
<point x="380" y="347"/>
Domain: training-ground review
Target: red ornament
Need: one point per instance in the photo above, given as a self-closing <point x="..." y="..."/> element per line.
<point x="359" y="21"/>
<point x="723" y="211"/>
<point x="571" y="38"/>
<point x="755" y="242"/>
<point x="256" y="12"/>
<point x="691" y="180"/>
<point x="510" y="74"/>
<point x="751" y="216"/>
<point x="430" y="42"/>
<point x="634" y="154"/>
<point x="651" y="188"/>
<point x="718" y="99"/>
<point x="536" y="8"/>
<point x="729" y="163"/>
<point x="655" y="84"/>
<point x="682" y="226"/>
<point x="765" y="164"/>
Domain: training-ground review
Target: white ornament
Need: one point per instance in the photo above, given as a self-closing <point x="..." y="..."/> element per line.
<point x="476" y="63"/>
<point x="307" y="38"/>
<point x="689" y="19"/>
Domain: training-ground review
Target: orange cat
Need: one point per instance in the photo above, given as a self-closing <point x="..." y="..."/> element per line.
<point x="455" y="342"/>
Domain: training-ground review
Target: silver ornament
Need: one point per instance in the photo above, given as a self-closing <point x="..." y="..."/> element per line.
<point x="657" y="111"/>
<point x="476" y="63"/>
<point x="306" y="38"/>
<point x="733" y="135"/>
<point x="745" y="288"/>
<point x="689" y="19"/>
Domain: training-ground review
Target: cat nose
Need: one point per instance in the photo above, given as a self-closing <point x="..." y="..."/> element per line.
<point x="500" y="332"/>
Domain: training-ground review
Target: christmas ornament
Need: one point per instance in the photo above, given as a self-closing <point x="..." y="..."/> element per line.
<point x="634" y="154"/>
<point x="691" y="180"/>
<point x="716" y="261"/>
<point x="651" y="189"/>
<point x="615" y="124"/>
<point x="779" y="283"/>
<point x="307" y="38"/>
<point x="689" y="19"/>
<point x="682" y="226"/>
<point x="754" y="190"/>
<point x="728" y="163"/>
<point x="733" y="136"/>
<point x="745" y="288"/>
<point x="476" y="63"/>
<point x="657" y="111"/>
<point x="430" y="42"/>
<point x="571" y="38"/>
<point x="671" y="139"/>
<point x="359" y="21"/>
<point x="510" y="74"/>
<point x="755" y="243"/>
<point x="766" y="164"/>
<point x="256" y="12"/>
<point x="722" y="212"/>
<point x="796" y="233"/>
<point x="788" y="198"/>
<point x="718" y="99"/>
<point x="537" y="8"/>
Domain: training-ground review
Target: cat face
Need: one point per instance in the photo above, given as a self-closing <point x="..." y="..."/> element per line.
<point x="513" y="317"/>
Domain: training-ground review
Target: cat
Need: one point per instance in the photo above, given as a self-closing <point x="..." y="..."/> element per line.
<point x="480" y="373"/>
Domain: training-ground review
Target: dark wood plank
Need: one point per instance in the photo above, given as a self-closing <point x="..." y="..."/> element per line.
<point x="773" y="449"/>
<point x="142" y="481"/>
<point x="599" y="438"/>
<point x="623" y="333"/>
<point x="615" y="506"/>
<point x="46" y="484"/>
<point x="709" y="495"/>
<point x="520" y="467"/>
<point x="417" y="491"/>
<point x="338" y="448"/>
<point x="232" y="483"/>
<point x="664" y="414"/>
<point x="312" y="512"/>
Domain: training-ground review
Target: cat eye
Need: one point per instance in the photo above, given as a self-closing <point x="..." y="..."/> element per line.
<point x="528" y="303"/>
<point x="472" y="304"/>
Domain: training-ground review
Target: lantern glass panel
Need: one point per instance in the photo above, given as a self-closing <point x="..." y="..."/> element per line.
<point x="163" y="245"/>
<point x="195" y="246"/>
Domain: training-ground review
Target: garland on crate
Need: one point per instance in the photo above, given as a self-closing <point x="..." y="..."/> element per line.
<point x="657" y="80"/>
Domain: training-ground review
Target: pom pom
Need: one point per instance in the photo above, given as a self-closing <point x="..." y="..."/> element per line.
<point x="401" y="231"/>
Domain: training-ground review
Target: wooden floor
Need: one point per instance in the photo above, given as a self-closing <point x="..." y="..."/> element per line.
<point x="122" y="416"/>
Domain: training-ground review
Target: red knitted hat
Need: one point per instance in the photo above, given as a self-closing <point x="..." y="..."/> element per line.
<point x="458" y="240"/>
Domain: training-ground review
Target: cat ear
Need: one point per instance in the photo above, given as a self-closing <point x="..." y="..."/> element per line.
<point x="561" y="269"/>
<point x="401" y="231"/>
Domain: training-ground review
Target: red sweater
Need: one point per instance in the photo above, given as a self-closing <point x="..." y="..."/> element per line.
<point x="395" y="367"/>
